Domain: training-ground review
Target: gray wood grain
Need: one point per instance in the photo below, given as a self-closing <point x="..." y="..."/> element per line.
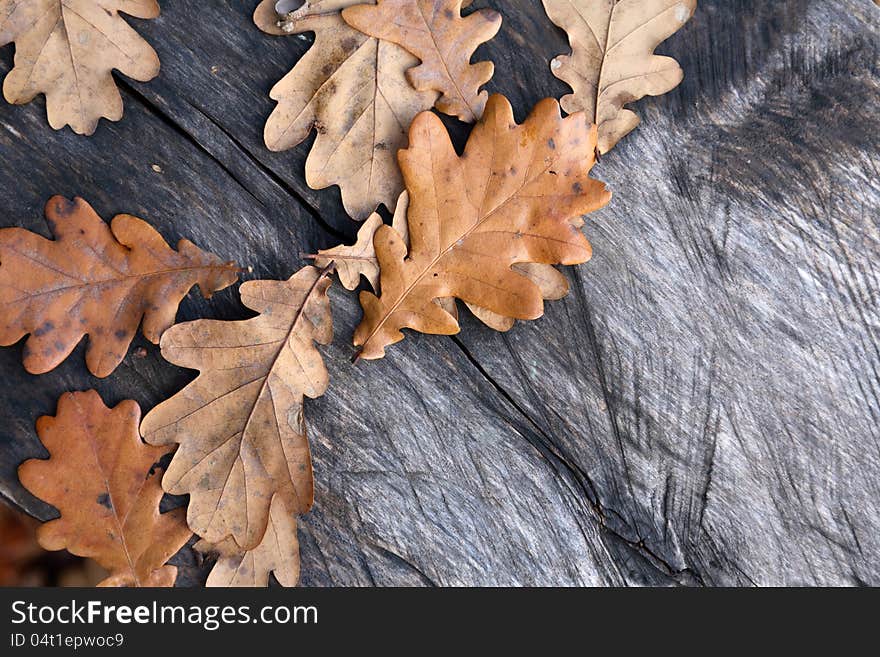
<point x="702" y="409"/>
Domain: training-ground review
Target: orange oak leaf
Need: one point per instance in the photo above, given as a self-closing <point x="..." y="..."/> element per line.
<point x="360" y="259"/>
<point x="552" y="284"/>
<point x="95" y="280"/>
<point x="516" y="195"/>
<point x="105" y="483"/>
<point x="67" y="50"/>
<point x="436" y="33"/>
<point x="240" y="424"/>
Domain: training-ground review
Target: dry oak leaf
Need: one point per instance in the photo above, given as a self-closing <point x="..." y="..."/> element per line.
<point x="612" y="61"/>
<point x="552" y="284"/>
<point x="105" y="483"/>
<point x="352" y="90"/>
<point x="360" y="259"/>
<point x="67" y="50"/>
<point x="95" y="280"/>
<point x="277" y="553"/>
<point x="444" y="41"/>
<point x="240" y="424"/>
<point x="516" y="195"/>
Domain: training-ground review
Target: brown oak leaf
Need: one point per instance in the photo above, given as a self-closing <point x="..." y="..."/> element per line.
<point x="552" y="284"/>
<point x="612" y="59"/>
<point x="277" y="553"/>
<point x="360" y="259"/>
<point x="95" y="280"/>
<point x="444" y="41"/>
<point x="516" y="195"/>
<point x="352" y="90"/>
<point x="67" y="50"/>
<point x="105" y="483"/>
<point x="240" y="424"/>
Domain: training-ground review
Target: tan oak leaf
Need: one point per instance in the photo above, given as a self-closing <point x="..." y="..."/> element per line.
<point x="67" y="50"/>
<point x="444" y="41"/>
<point x="552" y="284"/>
<point x="612" y="59"/>
<point x="359" y="259"/>
<point x="352" y="90"/>
<point x="240" y="424"/>
<point x="277" y="553"/>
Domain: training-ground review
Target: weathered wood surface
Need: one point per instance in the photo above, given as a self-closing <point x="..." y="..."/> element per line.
<point x="702" y="409"/>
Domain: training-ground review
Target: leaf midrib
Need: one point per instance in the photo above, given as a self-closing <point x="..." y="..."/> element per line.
<point x="119" y="522"/>
<point x="445" y="65"/>
<point x="299" y="314"/>
<point x="118" y="280"/>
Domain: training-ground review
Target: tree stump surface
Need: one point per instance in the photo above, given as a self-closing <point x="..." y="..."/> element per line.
<point x="702" y="409"/>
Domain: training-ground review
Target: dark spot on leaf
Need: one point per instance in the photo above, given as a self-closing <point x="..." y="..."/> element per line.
<point x="577" y="188"/>
<point x="64" y="208"/>
<point x="59" y="346"/>
<point x="448" y="13"/>
<point x="551" y="144"/>
<point x="120" y="334"/>
<point x="381" y="146"/>
<point x="44" y="329"/>
<point x="104" y="500"/>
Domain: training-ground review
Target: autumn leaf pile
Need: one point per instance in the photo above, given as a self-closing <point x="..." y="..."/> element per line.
<point x="487" y="227"/>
